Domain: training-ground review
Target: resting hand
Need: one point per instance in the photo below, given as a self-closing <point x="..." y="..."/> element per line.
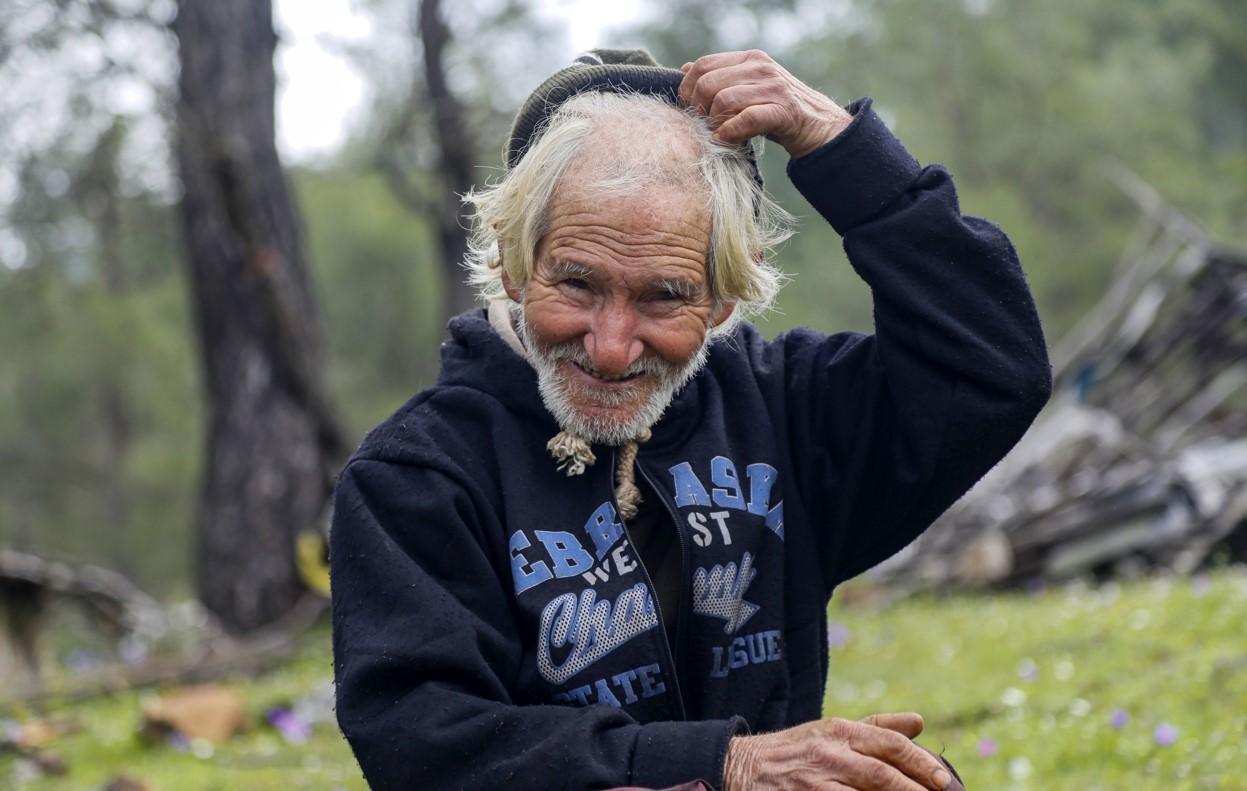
<point x="875" y="754"/>
<point x="747" y="93"/>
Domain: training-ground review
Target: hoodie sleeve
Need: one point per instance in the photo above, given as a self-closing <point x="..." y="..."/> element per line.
<point x="890" y="429"/>
<point x="426" y="650"/>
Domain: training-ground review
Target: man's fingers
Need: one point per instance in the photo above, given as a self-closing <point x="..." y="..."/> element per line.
<point x="710" y="85"/>
<point x="709" y="63"/>
<point x="756" y="119"/>
<point x="734" y="99"/>
<point x="908" y="723"/>
<point x="899" y="752"/>
<point x="870" y="774"/>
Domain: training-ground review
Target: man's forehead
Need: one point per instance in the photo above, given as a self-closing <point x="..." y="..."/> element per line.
<point x="662" y="145"/>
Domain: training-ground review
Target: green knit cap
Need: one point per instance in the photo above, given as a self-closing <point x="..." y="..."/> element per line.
<point x="605" y="70"/>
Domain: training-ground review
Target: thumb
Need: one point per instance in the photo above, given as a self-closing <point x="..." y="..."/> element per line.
<point x="907" y="723"/>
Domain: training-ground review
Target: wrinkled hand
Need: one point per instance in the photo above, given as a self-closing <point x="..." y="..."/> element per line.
<point x="875" y="754"/>
<point x="747" y="93"/>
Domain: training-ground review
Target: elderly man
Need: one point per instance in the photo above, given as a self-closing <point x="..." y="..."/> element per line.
<point x="598" y="552"/>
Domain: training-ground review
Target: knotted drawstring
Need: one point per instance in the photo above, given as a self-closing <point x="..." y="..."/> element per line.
<point x="627" y="493"/>
<point x="571" y="451"/>
<point x="573" y="454"/>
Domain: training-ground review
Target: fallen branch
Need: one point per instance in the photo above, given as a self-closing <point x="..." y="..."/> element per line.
<point x="219" y="657"/>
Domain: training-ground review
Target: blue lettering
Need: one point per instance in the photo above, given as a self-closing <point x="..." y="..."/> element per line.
<point x="579" y="695"/>
<point x="772" y="645"/>
<point x="688" y="487"/>
<point x="775" y="519"/>
<point x="751" y="649"/>
<point x="525" y="579"/>
<point x="604" y="529"/>
<point x="757" y="648"/>
<point x="624" y="680"/>
<point x="605" y="695"/>
<point x="723" y="474"/>
<point x="600" y="690"/>
<point x="649" y="685"/>
<point x="565" y="551"/>
<point x="761" y="478"/>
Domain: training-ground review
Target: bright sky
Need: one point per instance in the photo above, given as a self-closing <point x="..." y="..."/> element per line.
<point x="320" y="90"/>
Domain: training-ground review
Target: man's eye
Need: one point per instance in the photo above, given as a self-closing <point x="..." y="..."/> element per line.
<point x="577" y="283"/>
<point x="667" y="295"/>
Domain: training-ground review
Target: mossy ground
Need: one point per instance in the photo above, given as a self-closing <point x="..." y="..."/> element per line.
<point x="1133" y="687"/>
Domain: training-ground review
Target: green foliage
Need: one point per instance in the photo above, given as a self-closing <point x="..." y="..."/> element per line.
<point x="69" y="342"/>
<point x="380" y="289"/>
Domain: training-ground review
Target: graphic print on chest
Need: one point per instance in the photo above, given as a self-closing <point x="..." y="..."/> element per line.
<point x="578" y="629"/>
<point x="722" y="516"/>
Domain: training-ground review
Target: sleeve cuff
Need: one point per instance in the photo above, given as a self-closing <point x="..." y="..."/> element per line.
<point x="670" y="753"/>
<point x="858" y="173"/>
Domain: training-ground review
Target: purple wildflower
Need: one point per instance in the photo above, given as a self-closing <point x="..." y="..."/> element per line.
<point x="1118" y="718"/>
<point x="293" y="728"/>
<point x="837" y="635"/>
<point x="1028" y="670"/>
<point x="1165" y="734"/>
<point x="987" y="748"/>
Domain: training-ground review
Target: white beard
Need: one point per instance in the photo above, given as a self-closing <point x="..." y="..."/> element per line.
<point x="618" y="424"/>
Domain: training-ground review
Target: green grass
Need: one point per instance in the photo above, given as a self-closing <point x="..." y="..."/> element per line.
<point x="1017" y="689"/>
<point x="1039" y="677"/>
<point x="108" y="743"/>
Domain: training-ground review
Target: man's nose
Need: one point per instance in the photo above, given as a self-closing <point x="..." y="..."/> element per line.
<point x="612" y="343"/>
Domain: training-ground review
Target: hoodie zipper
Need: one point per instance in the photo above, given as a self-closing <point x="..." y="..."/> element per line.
<point x="662" y="627"/>
<point x="684" y="565"/>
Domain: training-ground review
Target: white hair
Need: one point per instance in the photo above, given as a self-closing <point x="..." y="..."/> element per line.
<point x="666" y="146"/>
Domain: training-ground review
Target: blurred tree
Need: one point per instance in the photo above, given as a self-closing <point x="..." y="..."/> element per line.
<point x="432" y="131"/>
<point x="96" y="394"/>
<point x="456" y="156"/>
<point x="272" y="438"/>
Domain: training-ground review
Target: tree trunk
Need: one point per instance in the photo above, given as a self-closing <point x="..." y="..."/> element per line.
<point x="100" y="192"/>
<point x="271" y="436"/>
<point x="456" y="154"/>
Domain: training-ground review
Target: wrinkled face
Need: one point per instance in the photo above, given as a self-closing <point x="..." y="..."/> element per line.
<point x="617" y="313"/>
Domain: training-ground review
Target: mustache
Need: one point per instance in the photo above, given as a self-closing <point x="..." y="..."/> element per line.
<point x="575" y="352"/>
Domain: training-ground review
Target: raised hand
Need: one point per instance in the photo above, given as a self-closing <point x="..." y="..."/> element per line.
<point x="747" y="93"/>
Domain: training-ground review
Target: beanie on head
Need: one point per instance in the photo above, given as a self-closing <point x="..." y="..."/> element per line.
<point x="606" y="71"/>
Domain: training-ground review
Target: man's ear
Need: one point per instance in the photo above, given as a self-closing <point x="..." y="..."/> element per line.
<point x="722" y="312"/>
<point x="508" y="285"/>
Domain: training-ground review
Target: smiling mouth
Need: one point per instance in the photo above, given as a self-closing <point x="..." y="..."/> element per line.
<point x="603" y="377"/>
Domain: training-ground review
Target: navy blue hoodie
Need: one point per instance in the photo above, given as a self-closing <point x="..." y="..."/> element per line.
<point x="493" y="625"/>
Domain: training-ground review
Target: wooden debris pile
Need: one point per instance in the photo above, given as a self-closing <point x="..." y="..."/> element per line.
<point x="1141" y="458"/>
